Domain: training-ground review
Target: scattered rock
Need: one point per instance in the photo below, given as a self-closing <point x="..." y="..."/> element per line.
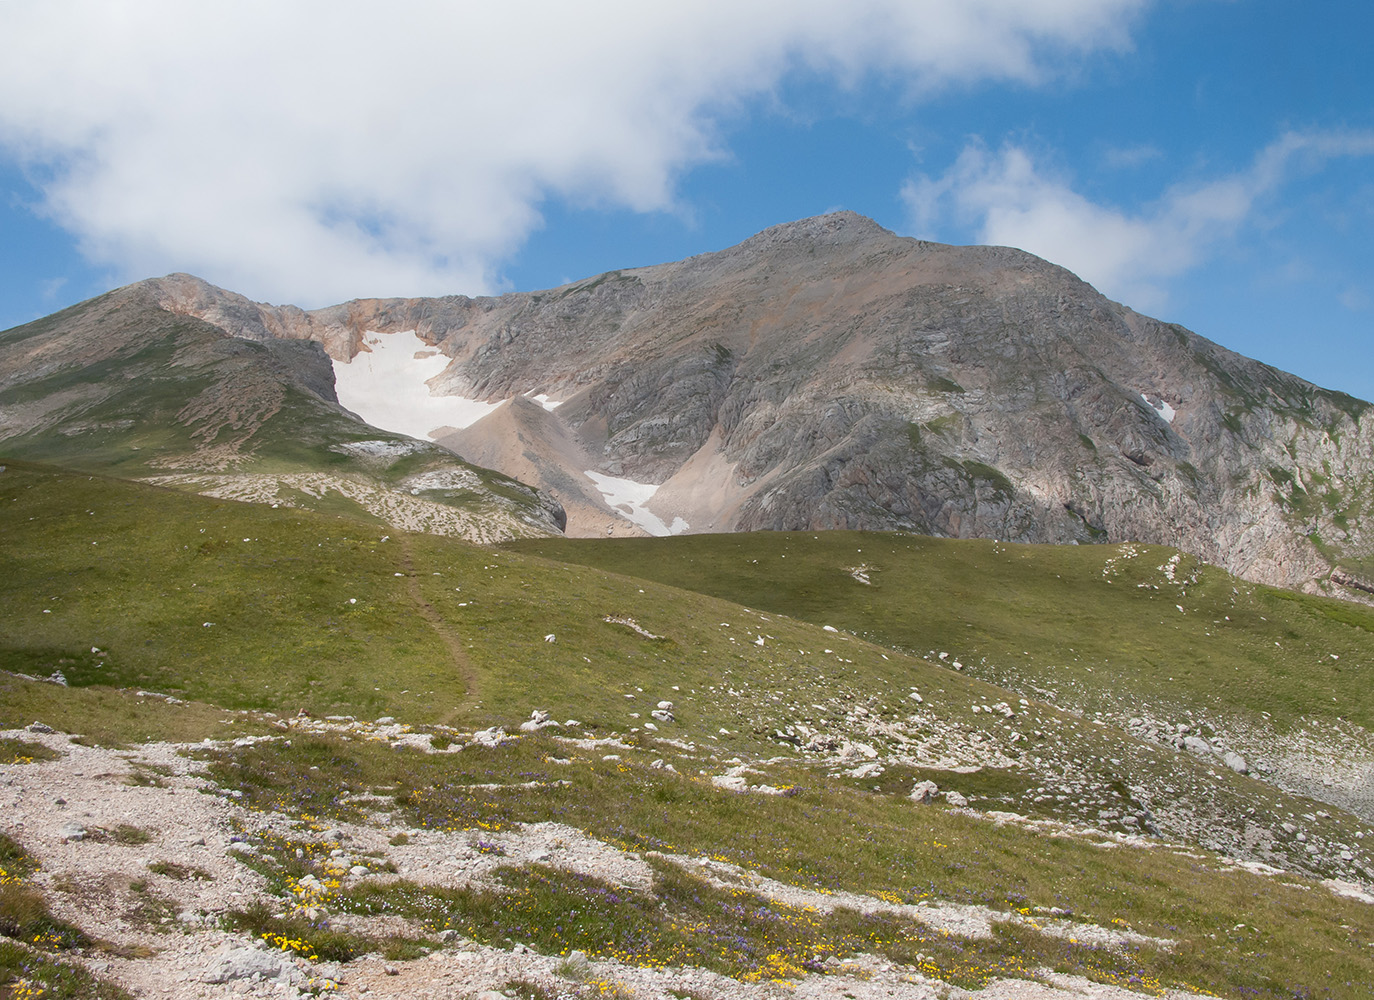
<point x="851" y="752"/>
<point x="241" y="963"/>
<point x="956" y="799"/>
<point x="539" y="719"/>
<point x="489" y="737"/>
<point x="1197" y="745"/>
<point x="924" y="792"/>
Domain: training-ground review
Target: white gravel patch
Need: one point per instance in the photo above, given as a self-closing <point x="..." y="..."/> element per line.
<point x="965" y="920"/>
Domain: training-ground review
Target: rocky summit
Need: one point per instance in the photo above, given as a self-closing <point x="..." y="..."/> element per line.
<point x="827" y="373"/>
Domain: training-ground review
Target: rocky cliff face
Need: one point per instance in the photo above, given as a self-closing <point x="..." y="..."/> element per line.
<point x="829" y="374"/>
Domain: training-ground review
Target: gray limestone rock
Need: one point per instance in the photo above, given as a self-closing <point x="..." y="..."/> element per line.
<point x="1197" y="745"/>
<point x="243" y="963"/>
<point x="924" y="792"/>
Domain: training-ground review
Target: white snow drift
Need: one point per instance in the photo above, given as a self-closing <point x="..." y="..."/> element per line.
<point x="388" y="386"/>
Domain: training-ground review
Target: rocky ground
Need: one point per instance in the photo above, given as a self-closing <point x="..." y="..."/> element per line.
<point x="408" y="506"/>
<point x="140" y="849"/>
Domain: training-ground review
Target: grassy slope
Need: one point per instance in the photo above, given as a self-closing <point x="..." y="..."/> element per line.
<point x="1039" y="618"/>
<point x="458" y="637"/>
<point x="138" y="573"/>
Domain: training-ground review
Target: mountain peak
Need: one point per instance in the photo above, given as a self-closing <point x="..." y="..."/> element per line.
<point x="831" y="229"/>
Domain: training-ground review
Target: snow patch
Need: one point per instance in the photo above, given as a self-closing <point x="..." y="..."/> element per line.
<point x="387" y="385"/>
<point x="549" y="404"/>
<point x="628" y="497"/>
<point x="1165" y="411"/>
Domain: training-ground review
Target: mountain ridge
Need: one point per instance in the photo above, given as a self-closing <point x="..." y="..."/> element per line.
<point x="120" y="385"/>
<point x="832" y="374"/>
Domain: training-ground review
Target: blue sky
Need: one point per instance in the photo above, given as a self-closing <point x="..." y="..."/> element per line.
<point x="1205" y="161"/>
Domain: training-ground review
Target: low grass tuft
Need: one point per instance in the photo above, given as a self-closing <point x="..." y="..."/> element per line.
<point x="24" y="916"/>
<point x="316" y="941"/>
<point x="15" y="863"/>
<point x="28" y="973"/>
<point x="130" y="835"/>
<point x="149" y="908"/>
<point x="19" y="751"/>
<point x="180" y="873"/>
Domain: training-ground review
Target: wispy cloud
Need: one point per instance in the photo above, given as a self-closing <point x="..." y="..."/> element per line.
<point x="318" y="150"/>
<point x="1355" y="299"/>
<point x="1128" y="157"/>
<point x="1006" y="198"/>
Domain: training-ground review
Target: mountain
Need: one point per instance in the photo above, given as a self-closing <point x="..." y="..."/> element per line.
<point x="829" y="374"/>
<point x="335" y="740"/>
<point x="122" y="385"/>
<point x="324" y="742"/>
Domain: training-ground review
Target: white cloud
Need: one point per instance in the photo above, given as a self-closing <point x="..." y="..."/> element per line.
<point x="1129" y="254"/>
<point x="313" y="150"/>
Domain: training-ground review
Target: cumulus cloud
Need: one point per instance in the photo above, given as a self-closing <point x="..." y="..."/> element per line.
<point x="313" y="150"/>
<point x="1010" y="200"/>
